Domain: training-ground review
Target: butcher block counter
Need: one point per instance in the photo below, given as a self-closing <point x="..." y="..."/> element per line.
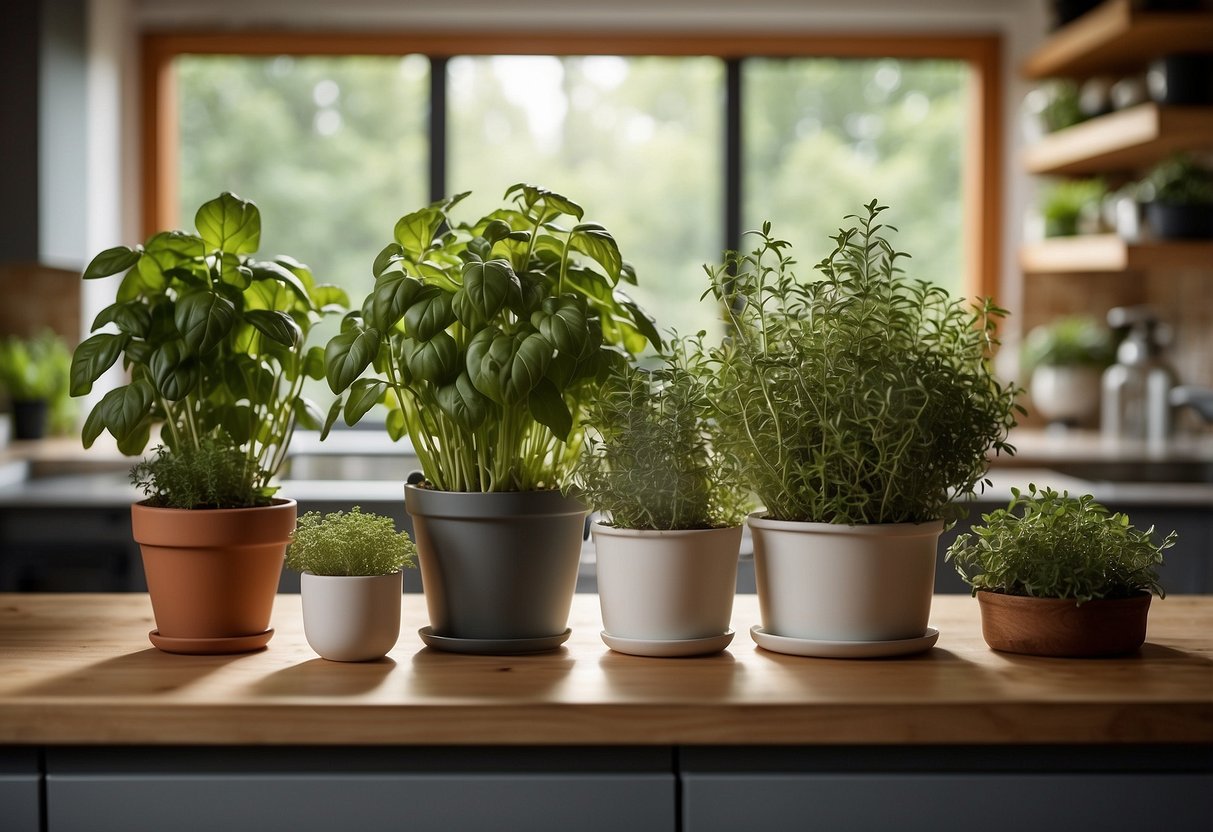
<point x="91" y="713"/>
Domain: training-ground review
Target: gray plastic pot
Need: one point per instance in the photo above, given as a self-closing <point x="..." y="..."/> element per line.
<point x="499" y="565"/>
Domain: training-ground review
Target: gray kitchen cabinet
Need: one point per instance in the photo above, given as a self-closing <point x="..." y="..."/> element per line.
<point x="419" y="790"/>
<point x="1010" y="789"/>
<point x="19" y="790"/>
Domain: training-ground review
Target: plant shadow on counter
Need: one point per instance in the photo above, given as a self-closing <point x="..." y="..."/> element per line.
<point x="719" y="676"/>
<point x="440" y="674"/>
<point x="321" y="677"/>
<point x="150" y="672"/>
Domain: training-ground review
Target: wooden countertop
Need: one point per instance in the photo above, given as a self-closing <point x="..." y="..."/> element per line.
<point x="78" y="669"/>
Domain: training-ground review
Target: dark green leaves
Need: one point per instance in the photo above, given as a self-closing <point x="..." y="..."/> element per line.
<point x="597" y="243"/>
<point x="229" y="224"/>
<point x="563" y="322"/>
<point x="487" y="287"/>
<point x="364" y="394"/>
<point x="548" y="408"/>
<point x="430" y="313"/>
<point x="463" y="403"/>
<point x="174" y="371"/>
<point x="131" y="317"/>
<point x="434" y="360"/>
<point x="204" y="319"/>
<point x="394" y="293"/>
<point x="92" y="358"/>
<point x="415" y="232"/>
<point x="348" y="354"/>
<point x="111" y="261"/>
<point x="277" y="326"/>
<point x="506" y="368"/>
<point x="122" y="411"/>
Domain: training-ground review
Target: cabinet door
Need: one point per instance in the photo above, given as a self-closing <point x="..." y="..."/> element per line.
<point x="108" y="792"/>
<point x="19" y="784"/>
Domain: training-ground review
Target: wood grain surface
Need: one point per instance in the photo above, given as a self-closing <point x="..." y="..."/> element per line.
<point x="78" y="669"/>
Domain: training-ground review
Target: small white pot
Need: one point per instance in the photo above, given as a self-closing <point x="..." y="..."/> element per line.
<point x="352" y="619"/>
<point x="1066" y="394"/>
<point x="666" y="585"/>
<point x="830" y="582"/>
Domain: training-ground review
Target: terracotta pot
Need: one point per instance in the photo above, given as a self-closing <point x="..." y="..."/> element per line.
<point x="666" y="585"/>
<point x="830" y="582"/>
<point x="1059" y="627"/>
<point x="212" y="573"/>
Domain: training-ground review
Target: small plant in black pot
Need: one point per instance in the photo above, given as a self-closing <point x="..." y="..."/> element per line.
<point x="34" y="373"/>
<point x="1179" y="199"/>
<point x="1060" y="576"/>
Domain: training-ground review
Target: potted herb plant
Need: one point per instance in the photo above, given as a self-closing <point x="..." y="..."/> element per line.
<point x="1060" y="576"/>
<point x="673" y="510"/>
<point x="1065" y="360"/>
<point x="1179" y="194"/>
<point x="214" y="341"/>
<point x="484" y="340"/>
<point x="34" y="372"/>
<point x="1072" y="207"/>
<point x="352" y="565"/>
<point x="860" y="406"/>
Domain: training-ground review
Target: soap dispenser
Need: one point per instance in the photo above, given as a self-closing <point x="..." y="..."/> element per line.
<point x="1136" y="389"/>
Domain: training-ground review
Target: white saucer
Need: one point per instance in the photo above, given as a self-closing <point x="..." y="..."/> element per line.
<point x="492" y="646"/>
<point x="668" y="648"/>
<point x="843" y="649"/>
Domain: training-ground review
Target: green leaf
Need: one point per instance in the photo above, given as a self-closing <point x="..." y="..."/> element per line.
<point x="92" y="358"/>
<point x="594" y="241"/>
<point x="390" y="254"/>
<point x="269" y="270"/>
<point x="124" y="408"/>
<point x="364" y="394"/>
<point x="94" y="424"/>
<point x="415" y="232"/>
<point x="508" y="367"/>
<point x="548" y="408"/>
<point x="563" y="322"/>
<point x="307" y="414"/>
<point x="487" y="287"/>
<point x="643" y="322"/>
<point x="111" y="261"/>
<point x="429" y="314"/>
<point x="174" y="371"/>
<point x="277" y="326"/>
<point x="348" y="354"/>
<point x="395" y="424"/>
<point x="330" y="299"/>
<point x="434" y="360"/>
<point x="331" y="418"/>
<point x="463" y="403"/>
<point x="394" y="292"/>
<point x="131" y="317"/>
<point x="229" y="224"/>
<point x="313" y="363"/>
<point x="204" y="319"/>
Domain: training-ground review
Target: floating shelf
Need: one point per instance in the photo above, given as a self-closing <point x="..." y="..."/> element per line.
<point x="1115" y="37"/>
<point x="1129" y="140"/>
<point x="1109" y="253"/>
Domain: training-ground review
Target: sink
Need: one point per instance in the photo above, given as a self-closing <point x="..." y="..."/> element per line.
<point x="1156" y="471"/>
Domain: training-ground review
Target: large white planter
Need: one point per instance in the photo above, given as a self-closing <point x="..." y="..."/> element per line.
<point x="829" y="582"/>
<point x="1067" y="394"/>
<point x="352" y="619"/>
<point x="666" y="585"/>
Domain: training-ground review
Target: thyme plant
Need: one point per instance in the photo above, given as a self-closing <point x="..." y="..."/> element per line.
<point x="649" y="461"/>
<point x="485" y="339"/>
<point x="349" y="544"/>
<point x="1050" y="545"/>
<point x="862" y="397"/>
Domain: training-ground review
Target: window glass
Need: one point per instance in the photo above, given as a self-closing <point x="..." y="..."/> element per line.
<point x="638" y="142"/>
<point x="332" y="150"/>
<point x="823" y="136"/>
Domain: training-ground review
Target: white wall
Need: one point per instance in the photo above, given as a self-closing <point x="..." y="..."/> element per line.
<point x="1020" y="22"/>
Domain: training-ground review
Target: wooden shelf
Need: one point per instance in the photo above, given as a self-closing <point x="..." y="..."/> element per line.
<point x="1109" y="253"/>
<point x="1115" y="37"/>
<point x="1129" y="140"/>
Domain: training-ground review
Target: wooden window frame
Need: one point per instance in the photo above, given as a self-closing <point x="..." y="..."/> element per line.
<point x="982" y="185"/>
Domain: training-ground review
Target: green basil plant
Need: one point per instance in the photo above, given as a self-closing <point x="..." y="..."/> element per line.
<point x="485" y="339"/>
<point x="214" y="341"/>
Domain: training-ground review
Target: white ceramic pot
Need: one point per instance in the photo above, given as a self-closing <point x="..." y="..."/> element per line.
<point x="830" y="582"/>
<point x="666" y="585"/>
<point x="352" y="619"/>
<point x="1066" y="394"/>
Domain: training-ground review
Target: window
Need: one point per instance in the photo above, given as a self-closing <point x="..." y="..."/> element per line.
<point x="676" y="146"/>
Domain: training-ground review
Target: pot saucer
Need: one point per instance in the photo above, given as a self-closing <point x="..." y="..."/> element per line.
<point x="843" y="649"/>
<point x="492" y="646"/>
<point x="211" y="646"/>
<point x="668" y="648"/>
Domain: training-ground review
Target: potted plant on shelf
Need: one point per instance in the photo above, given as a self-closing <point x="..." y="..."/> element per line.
<point x="214" y="341"/>
<point x="34" y="372"/>
<point x="860" y="406"/>
<point x="484" y="341"/>
<point x="668" y="543"/>
<point x="1064" y="361"/>
<point x="1060" y="576"/>
<point x="1179" y="199"/>
<point x="1072" y="207"/>
<point x="352" y="565"/>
